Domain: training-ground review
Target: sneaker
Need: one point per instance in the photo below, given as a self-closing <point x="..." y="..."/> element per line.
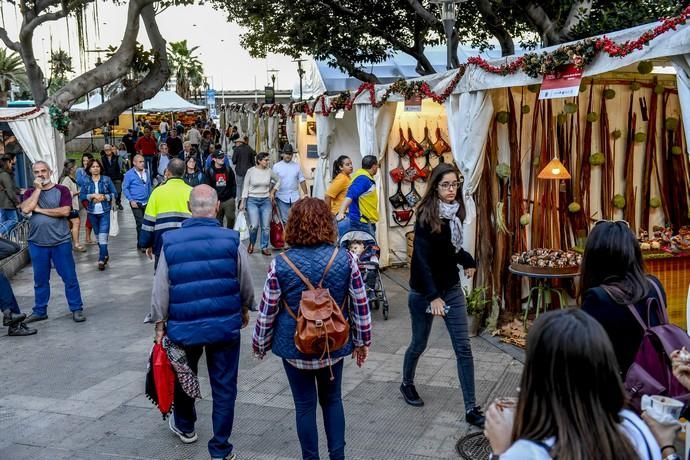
<point x="186" y="438"/>
<point x="475" y="417"/>
<point x="11" y="319"/>
<point x="21" y="329"/>
<point x="33" y="317"/>
<point x="410" y="395"/>
<point x="78" y="316"/>
<point x="101" y="265"/>
<point x="231" y="456"/>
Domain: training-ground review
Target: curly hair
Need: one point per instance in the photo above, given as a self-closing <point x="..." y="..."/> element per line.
<point x="310" y="223"/>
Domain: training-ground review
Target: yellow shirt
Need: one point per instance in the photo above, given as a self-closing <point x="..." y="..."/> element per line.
<point x="337" y="191"/>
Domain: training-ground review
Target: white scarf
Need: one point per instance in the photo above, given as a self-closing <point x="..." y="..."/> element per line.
<point x="449" y="211"/>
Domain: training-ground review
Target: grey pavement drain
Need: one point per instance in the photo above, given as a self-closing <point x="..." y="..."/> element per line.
<point x="474" y="446"/>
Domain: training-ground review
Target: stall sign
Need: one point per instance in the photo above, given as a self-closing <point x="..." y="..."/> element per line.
<point x="564" y="83"/>
<point x="413" y="104"/>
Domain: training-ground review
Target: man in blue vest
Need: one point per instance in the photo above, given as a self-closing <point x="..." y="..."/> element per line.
<point x="201" y="296"/>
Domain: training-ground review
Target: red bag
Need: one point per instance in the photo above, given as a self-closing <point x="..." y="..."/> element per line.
<point x="277" y="230"/>
<point x="161" y="380"/>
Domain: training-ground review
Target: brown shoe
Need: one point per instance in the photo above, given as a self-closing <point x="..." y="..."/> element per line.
<point x="266" y="252"/>
<point x="250" y="249"/>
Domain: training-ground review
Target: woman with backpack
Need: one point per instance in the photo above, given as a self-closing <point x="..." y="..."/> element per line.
<point x="314" y="375"/>
<point x="613" y="278"/>
<point x="435" y="289"/>
<point x="571" y="401"/>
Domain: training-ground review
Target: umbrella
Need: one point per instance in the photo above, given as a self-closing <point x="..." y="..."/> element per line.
<point x="160" y="380"/>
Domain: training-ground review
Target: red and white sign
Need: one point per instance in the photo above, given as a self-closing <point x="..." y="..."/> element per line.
<point x="413" y="104"/>
<point x="564" y="83"/>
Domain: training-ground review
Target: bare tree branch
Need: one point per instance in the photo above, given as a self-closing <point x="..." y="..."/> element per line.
<point x="14" y="46"/>
<point x="336" y="5"/>
<point x="418" y="8"/>
<point x="495" y="26"/>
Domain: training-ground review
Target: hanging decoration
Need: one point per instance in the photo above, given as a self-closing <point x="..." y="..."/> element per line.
<point x="59" y="119"/>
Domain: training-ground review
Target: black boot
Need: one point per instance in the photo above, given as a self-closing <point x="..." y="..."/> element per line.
<point x="10" y="319"/>
<point x="475" y="417"/>
<point x="20" y="329"/>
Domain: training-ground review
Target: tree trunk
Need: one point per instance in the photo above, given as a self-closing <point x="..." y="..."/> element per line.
<point x="3" y="98"/>
<point x="495" y="26"/>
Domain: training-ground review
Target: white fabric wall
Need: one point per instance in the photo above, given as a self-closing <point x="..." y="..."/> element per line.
<point x="40" y="141"/>
<point x="325" y="137"/>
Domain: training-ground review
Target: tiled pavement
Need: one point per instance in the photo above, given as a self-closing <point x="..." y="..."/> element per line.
<point x="75" y="391"/>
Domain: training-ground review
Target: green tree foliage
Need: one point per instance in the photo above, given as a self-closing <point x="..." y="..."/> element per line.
<point x="60" y="67"/>
<point x="185" y="67"/>
<point x="11" y="72"/>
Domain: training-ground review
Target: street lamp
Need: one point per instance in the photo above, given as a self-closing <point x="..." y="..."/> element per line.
<point x="448" y="18"/>
<point x="300" y="72"/>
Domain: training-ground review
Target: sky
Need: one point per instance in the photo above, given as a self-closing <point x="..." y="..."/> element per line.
<point x="226" y="63"/>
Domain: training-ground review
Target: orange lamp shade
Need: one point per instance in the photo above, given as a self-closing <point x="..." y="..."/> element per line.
<point x="554" y="170"/>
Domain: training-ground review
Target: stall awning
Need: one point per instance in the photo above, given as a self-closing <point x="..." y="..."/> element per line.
<point x="169" y="101"/>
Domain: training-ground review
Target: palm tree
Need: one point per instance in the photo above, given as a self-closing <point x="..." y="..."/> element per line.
<point x="11" y="72"/>
<point x="60" y="66"/>
<point x="185" y="65"/>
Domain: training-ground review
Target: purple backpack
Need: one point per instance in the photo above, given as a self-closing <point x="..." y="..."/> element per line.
<point x="650" y="373"/>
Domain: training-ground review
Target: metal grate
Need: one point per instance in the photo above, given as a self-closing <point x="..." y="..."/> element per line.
<point x="474" y="446"/>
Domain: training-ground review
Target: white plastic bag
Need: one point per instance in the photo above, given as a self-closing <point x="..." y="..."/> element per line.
<point x="114" y="226"/>
<point x="241" y="225"/>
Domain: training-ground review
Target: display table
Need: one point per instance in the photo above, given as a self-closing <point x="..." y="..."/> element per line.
<point x="674" y="273"/>
<point x="543" y="289"/>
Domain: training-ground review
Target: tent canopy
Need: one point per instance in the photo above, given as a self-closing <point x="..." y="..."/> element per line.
<point x="169" y="101"/>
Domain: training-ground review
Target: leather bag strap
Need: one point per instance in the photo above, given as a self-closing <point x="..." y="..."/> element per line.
<point x="297" y="272"/>
<point x="328" y="266"/>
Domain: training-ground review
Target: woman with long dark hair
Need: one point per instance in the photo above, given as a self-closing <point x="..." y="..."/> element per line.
<point x="67" y="178"/>
<point x="258" y="194"/>
<point x="81" y="177"/>
<point x="192" y="174"/>
<point x="314" y="257"/>
<point x="435" y="288"/>
<point x="335" y="194"/>
<point x="99" y="191"/>
<point x="613" y="277"/>
<point x="571" y="404"/>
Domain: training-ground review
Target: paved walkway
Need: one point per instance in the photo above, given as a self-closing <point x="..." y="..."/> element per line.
<point x="75" y="391"/>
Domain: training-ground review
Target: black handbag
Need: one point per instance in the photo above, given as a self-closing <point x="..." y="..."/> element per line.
<point x="412" y="197"/>
<point x="398" y="199"/>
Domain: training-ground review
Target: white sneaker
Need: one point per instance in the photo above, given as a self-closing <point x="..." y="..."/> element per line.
<point x="186" y="438"/>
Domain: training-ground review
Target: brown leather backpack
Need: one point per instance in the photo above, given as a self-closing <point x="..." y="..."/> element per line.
<point x="321" y="326"/>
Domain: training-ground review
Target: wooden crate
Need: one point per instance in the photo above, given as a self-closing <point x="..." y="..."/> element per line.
<point x="674" y="274"/>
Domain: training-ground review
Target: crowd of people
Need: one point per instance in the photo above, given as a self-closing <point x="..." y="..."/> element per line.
<point x="571" y="405"/>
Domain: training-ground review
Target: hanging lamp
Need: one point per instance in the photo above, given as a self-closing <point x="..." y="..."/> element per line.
<point x="554" y="170"/>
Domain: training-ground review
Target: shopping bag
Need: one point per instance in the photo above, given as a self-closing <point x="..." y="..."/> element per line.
<point x="160" y="380"/>
<point x="277" y="230"/>
<point x="114" y="226"/>
<point x="241" y="225"/>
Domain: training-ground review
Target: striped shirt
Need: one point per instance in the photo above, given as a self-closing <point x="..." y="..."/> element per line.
<point x="360" y="318"/>
<point x="166" y="209"/>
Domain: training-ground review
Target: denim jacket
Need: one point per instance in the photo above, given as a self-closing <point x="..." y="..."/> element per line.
<point x="106" y="187"/>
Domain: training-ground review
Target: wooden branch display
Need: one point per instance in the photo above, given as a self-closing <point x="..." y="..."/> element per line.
<point x="585" y="161"/>
<point x="648" y="159"/>
<point x="629" y="165"/>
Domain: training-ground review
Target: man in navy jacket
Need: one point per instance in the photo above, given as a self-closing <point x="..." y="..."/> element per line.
<point x="201" y="296"/>
<point x="137" y="189"/>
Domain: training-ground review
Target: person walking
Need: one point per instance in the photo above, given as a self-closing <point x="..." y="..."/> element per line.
<point x="194" y="137"/>
<point x="204" y="143"/>
<point x="174" y="143"/>
<point x="243" y="157"/>
<point x="613" y="277"/>
<point x="222" y="179"/>
<point x="336" y="191"/>
<point x="163" y="128"/>
<point x="100" y="194"/>
<point x="130" y="140"/>
<point x="67" y="179"/>
<point x="166" y="209"/>
<point x="8" y="197"/>
<point x="571" y="404"/>
<point x="361" y="199"/>
<point x="112" y="168"/>
<point x="81" y="178"/>
<point x="192" y="174"/>
<point x="137" y="189"/>
<point x="188" y="151"/>
<point x="50" y="242"/>
<point x="258" y="193"/>
<point x="291" y="180"/>
<point x="435" y="288"/>
<point x="313" y="256"/>
<point x="160" y="163"/>
<point x="147" y="147"/>
<point x="12" y="317"/>
<point x="202" y="253"/>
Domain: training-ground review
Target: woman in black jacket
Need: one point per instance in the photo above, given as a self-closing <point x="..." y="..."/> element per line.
<point x="435" y="288"/>
<point x="612" y="278"/>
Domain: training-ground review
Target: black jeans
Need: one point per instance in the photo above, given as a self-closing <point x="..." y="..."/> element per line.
<point x="138" y="214"/>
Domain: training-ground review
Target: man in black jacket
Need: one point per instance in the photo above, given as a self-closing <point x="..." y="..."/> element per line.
<point x="113" y="169"/>
<point x="243" y="157"/>
<point x="222" y="179"/>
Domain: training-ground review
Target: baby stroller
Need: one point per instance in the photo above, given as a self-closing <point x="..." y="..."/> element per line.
<point x="365" y="249"/>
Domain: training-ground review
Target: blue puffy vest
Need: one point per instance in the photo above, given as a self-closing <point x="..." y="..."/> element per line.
<point x="205" y="305"/>
<point x="311" y="261"/>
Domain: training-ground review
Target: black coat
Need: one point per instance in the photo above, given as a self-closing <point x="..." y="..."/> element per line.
<point x="111" y="167"/>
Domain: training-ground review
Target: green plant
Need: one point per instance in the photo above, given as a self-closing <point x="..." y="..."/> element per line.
<point x="476" y="300"/>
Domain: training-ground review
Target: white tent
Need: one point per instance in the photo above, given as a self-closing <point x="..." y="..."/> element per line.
<point x="36" y="135"/>
<point x="169" y="101"/>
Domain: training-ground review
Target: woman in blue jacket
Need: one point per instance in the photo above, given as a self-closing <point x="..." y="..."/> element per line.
<point x="99" y="191"/>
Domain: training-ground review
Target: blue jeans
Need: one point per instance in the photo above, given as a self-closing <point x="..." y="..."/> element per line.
<point x="307" y="386"/>
<point x="7" y="299"/>
<point x="8" y="220"/>
<point x="283" y="209"/>
<point x="101" y="227"/>
<point x="61" y="258"/>
<point x="222" y="361"/>
<point x="456" y="322"/>
<point x="148" y="164"/>
<point x="259" y="211"/>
